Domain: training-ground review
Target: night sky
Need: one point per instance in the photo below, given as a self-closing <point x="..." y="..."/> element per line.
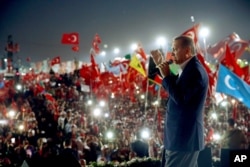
<point x="38" y="25"/>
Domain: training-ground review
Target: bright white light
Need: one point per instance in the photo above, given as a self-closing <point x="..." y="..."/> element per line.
<point x="216" y="137"/>
<point x="110" y="135"/>
<point x="214" y="115"/>
<point x="105" y="46"/>
<point x="97" y="112"/>
<point x="103" y="53"/>
<point x="233" y="101"/>
<point x="3" y="122"/>
<point x="112" y="95"/>
<point x="19" y="87"/>
<point x="89" y="102"/>
<point x="133" y="46"/>
<point x="116" y="50"/>
<point x="161" y="41"/>
<point x="11" y="113"/>
<point x="142" y="96"/>
<point x="145" y="134"/>
<point x="106" y="115"/>
<point x="156" y="102"/>
<point x="21" y="127"/>
<point x="102" y="103"/>
<point x="224" y="103"/>
<point x="204" y="32"/>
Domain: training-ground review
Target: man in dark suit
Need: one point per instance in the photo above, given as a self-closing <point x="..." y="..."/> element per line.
<point x="183" y="131"/>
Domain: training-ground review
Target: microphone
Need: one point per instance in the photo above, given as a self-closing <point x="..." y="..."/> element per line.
<point x="170" y="62"/>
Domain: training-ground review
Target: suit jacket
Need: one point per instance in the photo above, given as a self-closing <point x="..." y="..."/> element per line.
<point x="183" y="129"/>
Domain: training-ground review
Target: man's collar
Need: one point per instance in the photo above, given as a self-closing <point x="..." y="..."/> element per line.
<point x="183" y="65"/>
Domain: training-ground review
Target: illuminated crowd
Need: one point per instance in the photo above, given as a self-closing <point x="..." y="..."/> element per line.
<point x="35" y="123"/>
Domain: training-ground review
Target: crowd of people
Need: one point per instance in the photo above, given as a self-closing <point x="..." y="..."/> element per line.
<point x="50" y="123"/>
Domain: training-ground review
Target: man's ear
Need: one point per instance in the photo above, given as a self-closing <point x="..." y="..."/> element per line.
<point x="188" y="51"/>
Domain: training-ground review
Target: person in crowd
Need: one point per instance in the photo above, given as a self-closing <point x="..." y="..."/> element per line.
<point x="234" y="138"/>
<point x="184" y="136"/>
<point x="68" y="156"/>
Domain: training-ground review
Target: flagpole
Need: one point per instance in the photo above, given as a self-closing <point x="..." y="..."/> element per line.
<point x="156" y="111"/>
<point x="146" y="96"/>
<point x="91" y="91"/>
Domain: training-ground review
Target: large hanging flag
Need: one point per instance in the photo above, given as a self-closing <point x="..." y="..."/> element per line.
<point x="230" y="62"/>
<point x="230" y="84"/>
<point x="136" y="64"/>
<point x="193" y="33"/>
<point x="234" y="42"/>
<point x="70" y="38"/>
<point x="211" y="75"/>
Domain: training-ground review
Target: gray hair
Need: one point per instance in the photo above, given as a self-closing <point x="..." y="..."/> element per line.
<point x="186" y="41"/>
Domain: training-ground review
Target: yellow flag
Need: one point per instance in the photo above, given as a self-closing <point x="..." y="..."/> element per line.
<point x="136" y="64"/>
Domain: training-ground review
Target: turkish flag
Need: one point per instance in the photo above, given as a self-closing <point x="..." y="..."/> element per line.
<point x="234" y="42"/>
<point x="230" y="62"/>
<point x="75" y="48"/>
<point x="71" y="38"/>
<point x="246" y="71"/>
<point x="141" y="52"/>
<point x="95" y="44"/>
<point x="95" y="70"/>
<point x="192" y="33"/>
<point x="55" y="60"/>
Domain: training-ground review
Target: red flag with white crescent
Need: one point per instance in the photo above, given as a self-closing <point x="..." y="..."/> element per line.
<point x="70" y="38"/>
<point x="192" y="33"/>
<point x="235" y="44"/>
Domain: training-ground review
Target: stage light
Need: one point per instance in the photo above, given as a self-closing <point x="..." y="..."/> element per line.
<point x="161" y="41"/>
<point x="116" y="50"/>
<point x="109" y="135"/>
<point x="11" y="114"/>
<point x="214" y="115"/>
<point x="145" y="133"/>
<point x="19" y="87"/>
<point x="89" y="102"/>
<point x="102" y="103"/>
<point x="103" y="53"/>
<point x="133" y="46"/>
<point x="21" y="127"/>
<point x="216" y="136"/>
<point x="97" y="112"/>
<point x="106" y="115"/>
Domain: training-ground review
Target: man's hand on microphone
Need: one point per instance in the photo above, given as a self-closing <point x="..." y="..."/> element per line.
<point x="164" y="69"/>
